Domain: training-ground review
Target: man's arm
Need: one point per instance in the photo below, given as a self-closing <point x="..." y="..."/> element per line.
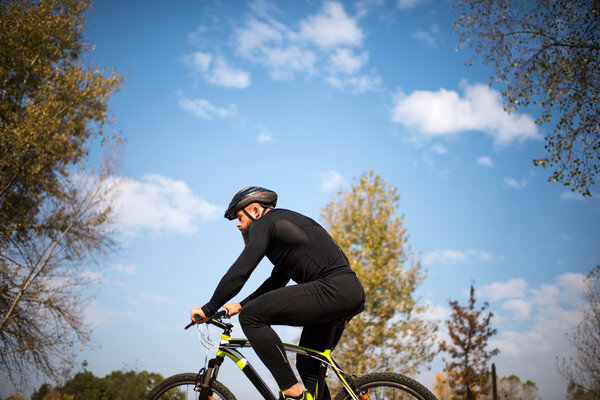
<point x="235" y="278"/>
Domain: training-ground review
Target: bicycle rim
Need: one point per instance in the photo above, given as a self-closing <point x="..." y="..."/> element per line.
<point x="181" y="387"/>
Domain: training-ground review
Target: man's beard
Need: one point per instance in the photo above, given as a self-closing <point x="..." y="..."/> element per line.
<point x="245" y="233"/>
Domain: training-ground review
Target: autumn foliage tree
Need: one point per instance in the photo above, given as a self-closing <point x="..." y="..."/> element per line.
<point x="469" y="329"/>
<point x="392" y="333"/>
<point x="547" y="54"/>
<point x="55" y="207"/>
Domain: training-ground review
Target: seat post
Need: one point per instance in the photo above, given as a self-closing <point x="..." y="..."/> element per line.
<point x="335" y="333"/>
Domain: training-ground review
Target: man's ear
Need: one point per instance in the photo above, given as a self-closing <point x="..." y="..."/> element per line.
<point x="256" y="210"/>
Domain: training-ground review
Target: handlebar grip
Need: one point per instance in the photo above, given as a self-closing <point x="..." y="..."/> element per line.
<point x="221" y="314"/>
<point x="217" y="315"/>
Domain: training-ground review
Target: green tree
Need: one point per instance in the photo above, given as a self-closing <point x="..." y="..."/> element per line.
<point x="85" y="386"/>
<point x="118" y="385"/>
<point x="131" y="384"/>
<point x="583" y="371"/>
<point x="55" y="206"/>
<point x="547" y="53"/>
<point x="469" y="330"/>
<point x="42" y="391"/>
<point x="392" y="332"/>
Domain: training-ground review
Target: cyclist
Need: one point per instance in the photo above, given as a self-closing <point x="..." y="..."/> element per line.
<point x="301" y="250"/>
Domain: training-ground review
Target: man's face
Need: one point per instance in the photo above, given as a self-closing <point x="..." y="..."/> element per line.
<point x="243" y="224"/>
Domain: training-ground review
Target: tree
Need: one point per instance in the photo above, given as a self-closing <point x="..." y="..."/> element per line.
<point x="442" y="388"/>
<point x="392" y="332"/>
<point x="547" y="53"/>
<point x="577" y="392"/>
<point x="583" y="372"/>
<point x="511" y="387"/>
<point x="116" y="385"/>
<point x="55" y="206"/>
<point x="15" y="397"/>
<point x="469" y="330"/>
<point x="42" y="391"/>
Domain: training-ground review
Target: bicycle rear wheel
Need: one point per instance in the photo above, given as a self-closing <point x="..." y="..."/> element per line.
<point x="181" y="387"/>
<point x="389" y="386"/>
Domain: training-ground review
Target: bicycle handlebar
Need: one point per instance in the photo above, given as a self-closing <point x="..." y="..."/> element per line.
<point x="217" y="316"/>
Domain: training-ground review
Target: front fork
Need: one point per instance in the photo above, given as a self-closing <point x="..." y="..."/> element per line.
<point x="206" y="376"/>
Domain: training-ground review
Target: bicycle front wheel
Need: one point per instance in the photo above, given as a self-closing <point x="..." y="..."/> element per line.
<point x="181" y="387"/>
<point x="389" y="386"/>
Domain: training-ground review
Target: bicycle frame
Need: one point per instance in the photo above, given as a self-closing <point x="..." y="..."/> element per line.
<point x="228" y="348"/>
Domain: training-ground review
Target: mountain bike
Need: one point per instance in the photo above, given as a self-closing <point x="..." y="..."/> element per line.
<point x="204" y="385"/>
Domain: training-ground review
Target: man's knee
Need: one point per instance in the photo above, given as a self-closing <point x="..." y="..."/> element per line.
<point x="249" y="315"/>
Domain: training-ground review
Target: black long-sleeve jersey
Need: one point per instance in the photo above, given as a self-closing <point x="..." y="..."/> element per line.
<point x="299" y="248"/>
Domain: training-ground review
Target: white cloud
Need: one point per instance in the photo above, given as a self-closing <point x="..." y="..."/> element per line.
<point x="285" y="62"/>
<point x="486" y="161"/>
<point x="130" y="269"/>
<point x="427" y="38"/>
<point x="325" y="44"/>
<point x="264" y="136"/>
<point x="275" y="46"/>
<point x="569" y="195"/>
<point x="515" y="184"/>
<point x="356" y="84"/>
<point x="331" y="27"/>
<point x="571" y="283"/>
<point x="330" y="180"/>
<point x="406" y="4"/>
<point x="204" y="109"/>
<point x="91" y="276"/>
<point x="222" y="74"/>
<point x="439" y="148"/>
<point x="216" y="70"/>
<point x="452" y="256"/>
<point x="344" y="60"/>
<point x="98" y="315"/>
<point x="161" y="204"/>
<point x="446" y="113"/>
<point x="519" y="309"/>
<point x="257" y="34"/>
<point x="514" y="288"/>
<point x="158" y="299"/>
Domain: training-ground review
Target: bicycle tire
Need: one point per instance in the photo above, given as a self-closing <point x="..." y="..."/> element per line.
<point x="181" y="387"/>
<point x="389" y="385"/>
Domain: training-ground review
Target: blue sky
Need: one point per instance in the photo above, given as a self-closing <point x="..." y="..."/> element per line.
<point x="303" y="97"/>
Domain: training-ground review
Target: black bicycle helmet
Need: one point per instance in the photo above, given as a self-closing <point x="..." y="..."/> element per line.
<point x="253" y="194"/>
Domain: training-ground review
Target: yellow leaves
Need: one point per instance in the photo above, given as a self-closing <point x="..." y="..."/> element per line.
<point x="364" y="222"/>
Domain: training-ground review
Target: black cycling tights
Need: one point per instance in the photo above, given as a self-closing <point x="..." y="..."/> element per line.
<point x="313" y="305"/>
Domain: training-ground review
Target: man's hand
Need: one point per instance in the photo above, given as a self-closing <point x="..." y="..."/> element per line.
<point x="233" y="308"/>
<point x="197" y="315"/>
